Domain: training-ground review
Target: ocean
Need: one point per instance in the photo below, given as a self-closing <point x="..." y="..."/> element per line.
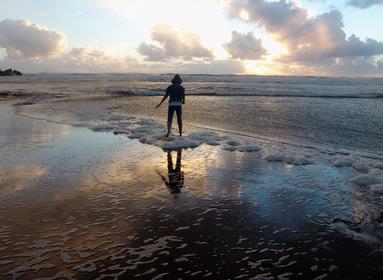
<point x="345" y="113"/>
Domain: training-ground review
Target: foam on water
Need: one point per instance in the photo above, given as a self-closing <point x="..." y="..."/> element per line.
<point x="246" y="104"/>
<point x="149" y="131"/>
<point x="91" y="246"/>
<point x="373" y="177"/>
<point x="152" y="131"/>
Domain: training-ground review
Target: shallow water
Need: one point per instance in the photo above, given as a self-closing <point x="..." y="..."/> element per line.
<point x="354" y="124"/>
<point x="333" y="112"/>
<point x="85" y="205"/>
<point x="288" y="189"/>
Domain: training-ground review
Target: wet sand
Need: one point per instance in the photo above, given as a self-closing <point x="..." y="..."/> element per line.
<point x="79" y="204"/>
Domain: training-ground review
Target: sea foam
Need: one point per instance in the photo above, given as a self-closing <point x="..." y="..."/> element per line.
<point x="152" y="132"/>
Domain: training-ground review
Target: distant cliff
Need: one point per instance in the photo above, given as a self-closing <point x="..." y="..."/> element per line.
<point x="10" y="72"/>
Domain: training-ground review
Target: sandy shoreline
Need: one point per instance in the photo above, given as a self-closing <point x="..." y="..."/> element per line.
<point x="79" y="204"/>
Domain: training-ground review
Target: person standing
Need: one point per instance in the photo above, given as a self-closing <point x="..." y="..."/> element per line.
<point x="176" y="94"/>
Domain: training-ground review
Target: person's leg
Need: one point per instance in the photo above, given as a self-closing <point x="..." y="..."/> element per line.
<point x="170" y="119"/>
<point x="170" y="162"/>
<point x="179" y="118"/>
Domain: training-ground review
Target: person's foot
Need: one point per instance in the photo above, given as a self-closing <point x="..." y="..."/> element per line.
<point x="167" y="134"/>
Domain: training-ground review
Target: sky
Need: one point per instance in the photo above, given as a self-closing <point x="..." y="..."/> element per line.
<point x="263" y="37"/>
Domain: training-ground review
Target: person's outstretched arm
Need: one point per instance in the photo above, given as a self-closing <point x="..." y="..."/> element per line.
<point x="164" y="98"/>
<point x="162" y="101"/>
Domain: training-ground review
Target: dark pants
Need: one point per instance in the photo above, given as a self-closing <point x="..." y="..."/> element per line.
<point x="178" y="110"/>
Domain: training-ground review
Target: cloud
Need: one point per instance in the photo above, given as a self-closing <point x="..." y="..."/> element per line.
<point x="346" y="66"/>
<point x="32" y="47"/>
<point x="168" y="44"/>
<point x="358" y="66"/>
<point x="363" y="4"/>
<point x="305" y="37"/>
<point x="152" y="52"/>
<point x="24" y="39"/>
<point x="93" y="60"/>
<point x="245" y="46"/>
<point x="78" y="60"/>
<point x="319" y="42"/>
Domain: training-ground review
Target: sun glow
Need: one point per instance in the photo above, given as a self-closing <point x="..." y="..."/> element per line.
<point x="274" y="48"/>
<point x="244" y="15"/>
<point x="205" y="18"/>
<point x="258" y="68"/>
<point x="266" y="65"/>
<point x="202" y="17"/>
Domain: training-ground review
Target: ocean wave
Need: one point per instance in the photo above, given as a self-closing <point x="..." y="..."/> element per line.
<point x="144" y="93"/>
<point x="14" y="94"/>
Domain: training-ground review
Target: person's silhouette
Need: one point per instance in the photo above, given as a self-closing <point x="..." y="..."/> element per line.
<point x="176" y="94"/>
<point x="175" y="179"/>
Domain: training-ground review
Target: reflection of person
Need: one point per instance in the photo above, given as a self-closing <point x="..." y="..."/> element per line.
<point x="176" y="94"/>
<point x="175" y="179"/>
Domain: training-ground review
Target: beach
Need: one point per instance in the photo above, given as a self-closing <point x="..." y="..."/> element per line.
<point x="275" y="178"/>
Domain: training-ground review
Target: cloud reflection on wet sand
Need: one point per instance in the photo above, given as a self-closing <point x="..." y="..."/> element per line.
<point x="100" y="208"/>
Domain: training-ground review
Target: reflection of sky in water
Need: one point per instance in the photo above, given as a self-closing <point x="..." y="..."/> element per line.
<point x="284" y="194"/>
<point x="290" y="196"/>
<point x="295" y="197"/>
<point x="51" y="154"/>
<point x="77" y="157"/>
<point x="19" y="178"/>
<point x="80" y="188"/>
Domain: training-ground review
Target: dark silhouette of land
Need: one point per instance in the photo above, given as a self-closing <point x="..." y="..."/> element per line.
<point x="10" y="72"/>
